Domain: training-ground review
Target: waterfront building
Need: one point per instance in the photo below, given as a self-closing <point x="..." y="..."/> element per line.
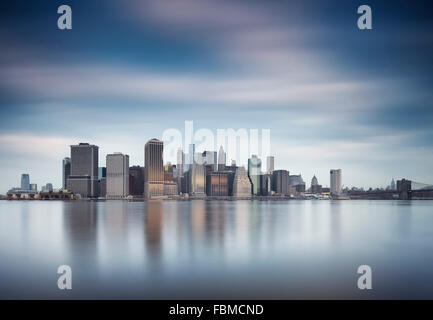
<point x="217" y="184"/>
<point x="154" y="170"/>
<point x="266" y="184"/>
<point x="335" y="181"/>
<point x="66" y="170"/>
<point x="33" y="187"/>
<point x="25" y="181"/>
<point x="280" y="180"/>
<point x="136" y="182"/>
<point x="254" y="171"/>
<point x="196" y="180"/>
<point x="83" y="179"/>
<point x="241" y="184"/>
<point x="48" y="187"/>
<point x="117" y="175"/>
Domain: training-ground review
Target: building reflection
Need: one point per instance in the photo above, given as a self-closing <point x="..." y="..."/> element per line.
<point x="80" y="221"/>
<point x="153" y="230"/>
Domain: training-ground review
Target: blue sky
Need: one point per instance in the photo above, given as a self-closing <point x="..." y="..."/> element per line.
<point x="333" y="96"/>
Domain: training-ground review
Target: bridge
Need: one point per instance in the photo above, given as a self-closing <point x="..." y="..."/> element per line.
<point x="406" y="190"/>
<point x="412" y="190"/>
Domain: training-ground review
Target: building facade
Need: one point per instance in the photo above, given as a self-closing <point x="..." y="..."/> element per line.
<point x="117" y="176"/>
<point x="270" y="164"/>
<point x="221" y="159"/>
<point x="83" y="179"/>
<point x="280" y="180"/>
<point x="254" y="171"/>
<point x="66" y="171"/>
<point x="217" y="184"/>
<point x="241" y="184"/>
<point x="25" y="181"/>
<point x="136" y="176"/>
<point x="153" y="169"/>
<point x="335" y="181"/>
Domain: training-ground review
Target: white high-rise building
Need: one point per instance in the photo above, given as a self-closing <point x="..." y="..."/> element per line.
<point x="221" y="159"/>
<point x="117" y="175"/>
<point x="270" y="164"/>
<point x="335" y="181"/>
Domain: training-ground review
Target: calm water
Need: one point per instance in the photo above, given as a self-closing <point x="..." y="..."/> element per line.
<point x="216" y="249"/>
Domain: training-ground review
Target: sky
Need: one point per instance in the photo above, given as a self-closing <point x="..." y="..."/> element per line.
<point x="332" y="96"/>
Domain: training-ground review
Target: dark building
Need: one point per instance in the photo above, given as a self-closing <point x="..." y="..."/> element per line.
<point x="217" y="184"/>
<point x="83" y="179"/>
<point x="153" y="169"/>
<point x="280" y="182"/>
<point x="102" y="172"/>
<point x="266" y="184"/>
<point x="66" y="171"/>
<point x="136" y="181"/>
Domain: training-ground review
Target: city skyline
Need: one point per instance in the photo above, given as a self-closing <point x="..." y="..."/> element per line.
<point x="122" y="171"/>
<point x="333" y="96"/>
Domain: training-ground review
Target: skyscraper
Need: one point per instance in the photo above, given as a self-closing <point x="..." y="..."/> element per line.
<point x="270" y="164"/>
<point x="154" y="169"/>
<point x="393" y="184"/>
<point x="210" y="157"/>
<point x="221" y="159"/>
<point x="117" y="175"/>
<point x="66" y="170"/>
<point x="25" y="181"/>
<point x="335" y="183"/>
<point x="281" y="181"/>
<point x="241" y="184"/>
<point x="180" y="162"/>
<point x="196" y="180"/>
<point x="137" y="174"/>
<point x="83" y="179"/>
<point x="254" y="171"/>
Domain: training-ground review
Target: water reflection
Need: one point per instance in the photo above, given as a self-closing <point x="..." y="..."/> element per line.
<point x="215" y="249"/>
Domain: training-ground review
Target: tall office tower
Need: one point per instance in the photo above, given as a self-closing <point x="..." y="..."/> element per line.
<point x="241" y="184"/>
<point x="66" y="170"/>
<point x="83" y="179"/>
<point x="180" y="162"/>
<point x="153" y="169"/>
<point x="315" y="186"/>
<point x="117" y="175"/>
<point x="221" y="159"/>
<point x="191" y="153"/>
<point x="196" y="180"/>
<point x="281" y="181"/>
<point x="392" y="184"/>
<point x="266" y="184"/>
<point x="335" y="181"/>
<point x="270" y="164"/>
<point x="314" y="181"/>
<point x="49" y="187"/>
<point x="137" y="174"/>
<point x="254" y="171"/>
<point x="25" y="181"/>
<point x="210" y="157"/>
